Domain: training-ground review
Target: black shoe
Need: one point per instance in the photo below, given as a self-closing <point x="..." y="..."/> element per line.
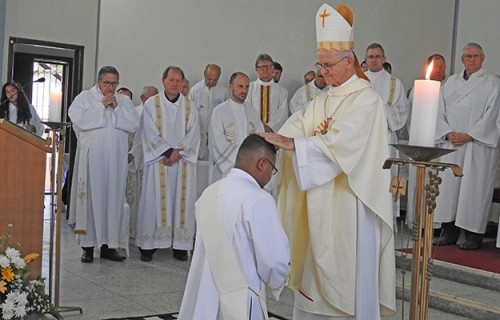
<point x="473" y="241"/>
<point x="450" y="234"/>
<point x="87" y="255"/>
<point x="147" y="254"/>
<point x="111" y="254"/>
<point x="181" y="255"/>
<point x="445" y="240"/>
<point x="470" y="245"/>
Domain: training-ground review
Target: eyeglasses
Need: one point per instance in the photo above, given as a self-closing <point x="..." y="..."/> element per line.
<point x="265" y="67"/>
<point x="378" y="56"/>
<point x="109" y="84"/>
<point x="471" y="56"/>
<point x="327" y="66"/>
<point x="275" y="170"/>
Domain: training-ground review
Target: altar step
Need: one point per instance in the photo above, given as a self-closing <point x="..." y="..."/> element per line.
<point x="454" y="289"/>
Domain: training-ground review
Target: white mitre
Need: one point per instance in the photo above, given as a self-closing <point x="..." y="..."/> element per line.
<point x="333" y="31"/>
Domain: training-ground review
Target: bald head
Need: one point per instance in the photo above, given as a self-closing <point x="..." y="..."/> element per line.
<point x="211" y="74"/>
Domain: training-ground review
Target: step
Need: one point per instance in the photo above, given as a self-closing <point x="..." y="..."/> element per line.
<point x="455" y="289"/>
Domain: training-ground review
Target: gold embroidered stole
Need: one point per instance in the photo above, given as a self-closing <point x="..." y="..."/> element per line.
<point x="182" y="218"/>
<point x="392" y="91"/>
<point x="163" y="185"/>
<point x="265" y="97"/>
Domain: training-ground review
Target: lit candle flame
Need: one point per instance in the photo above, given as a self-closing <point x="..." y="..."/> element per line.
<point x="429" y="70"/>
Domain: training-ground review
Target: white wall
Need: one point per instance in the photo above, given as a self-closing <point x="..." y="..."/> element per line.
<point x="479" y="22"/>
<point x="141" y="38"/>
<point x="232" y="33"/>
<point x="63" y="21"/>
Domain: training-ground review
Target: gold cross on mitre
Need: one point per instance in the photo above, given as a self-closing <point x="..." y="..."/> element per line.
<point x="323" y="16"/>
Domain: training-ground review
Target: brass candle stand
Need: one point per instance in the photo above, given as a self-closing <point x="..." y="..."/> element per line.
<point x="58" y="132"/>
<point x="421" y="157"/>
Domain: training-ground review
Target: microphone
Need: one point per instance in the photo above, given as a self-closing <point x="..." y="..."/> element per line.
<point x="21" y="88"/>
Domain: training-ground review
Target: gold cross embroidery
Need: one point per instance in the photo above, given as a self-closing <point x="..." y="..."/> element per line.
<point x="323" y="127"/>
<point x="323" y="16"/>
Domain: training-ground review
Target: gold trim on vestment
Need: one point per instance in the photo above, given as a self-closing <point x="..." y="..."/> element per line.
<point x="163" y="187"/>
<point x="335" y="45"/>
<point x="265" y="92"/>
<point x="392" y="91"/>
<point x="182" y="219"/>
<point x="161" y="168"/>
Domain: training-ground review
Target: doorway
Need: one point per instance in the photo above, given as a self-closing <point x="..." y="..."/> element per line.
<point x="61" y="67"/>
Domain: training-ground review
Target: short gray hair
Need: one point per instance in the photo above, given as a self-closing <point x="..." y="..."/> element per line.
<point x="106" y="70"/>
<point x="147" y="88"/>
<point x="263" y="57"/>
<point x="473" y="45"/>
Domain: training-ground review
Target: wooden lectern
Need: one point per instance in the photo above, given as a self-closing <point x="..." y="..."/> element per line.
<point x="22" y="183"/>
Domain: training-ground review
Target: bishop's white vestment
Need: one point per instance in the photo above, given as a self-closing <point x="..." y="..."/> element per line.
<point x="470" y="106"/>
<point x="336" y="208"/>
<point x="271" y="101"/>
<point x="100" y="169"/>
<point x="205" y="99"/>
<point x="166" y="208"/>
<point x="253" y="230"/>
<point x="231" y="123"/>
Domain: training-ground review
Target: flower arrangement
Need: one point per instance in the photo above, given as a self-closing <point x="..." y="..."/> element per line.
<point x="19" y="297"/>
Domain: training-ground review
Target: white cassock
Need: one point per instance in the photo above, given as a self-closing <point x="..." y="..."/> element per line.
<point x="472" y="107"/>
<point x="205" y="99"/>
<point x="336" y="208"/>
<point x="393" y="94"/>
<point x="35" y="119"/>
<point x="254" y="232"/>
<point x="100" y="169"/>
<point x="134" y="176"/>
<point x="275" y="112"/>
<point x="231" y="123"/>
<point x="303" y="96"/>
<point x="166" y="208"/>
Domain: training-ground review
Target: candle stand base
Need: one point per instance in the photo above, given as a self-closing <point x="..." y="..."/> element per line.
<point x="421" y="157"/>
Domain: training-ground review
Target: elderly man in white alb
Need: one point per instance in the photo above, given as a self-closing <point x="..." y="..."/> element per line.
<point x="102" y="121"/>
<point x="170" y="135"/>
<point x="467" y="123"/>
<point x="304" y="95"/>
<point x="267" y="97"/>
<point x="334" y="199"/>
<point x="232" y="121"/>
<point x="393" y="94"/>
<point x="206" y="95"/>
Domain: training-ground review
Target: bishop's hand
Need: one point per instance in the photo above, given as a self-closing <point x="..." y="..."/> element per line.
<point x="278" y="140"/>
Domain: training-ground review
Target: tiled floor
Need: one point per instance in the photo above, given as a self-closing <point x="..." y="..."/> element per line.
<point x="106" y="289"/>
